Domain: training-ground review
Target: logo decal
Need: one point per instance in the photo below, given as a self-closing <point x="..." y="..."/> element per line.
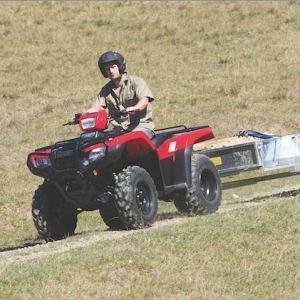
<point x="172" y="146"/>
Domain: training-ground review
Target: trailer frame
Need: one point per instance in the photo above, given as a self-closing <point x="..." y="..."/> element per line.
<point x="246" y="152"/>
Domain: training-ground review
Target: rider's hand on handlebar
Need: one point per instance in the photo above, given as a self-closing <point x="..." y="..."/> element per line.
<point x="123" y="113"/>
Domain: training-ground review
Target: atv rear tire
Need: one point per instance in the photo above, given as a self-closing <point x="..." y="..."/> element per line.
<point x="136" y="198"/>
<point x="111" y="217"/>
<point x="53" y="217"/>
<point x="204" y="195"/>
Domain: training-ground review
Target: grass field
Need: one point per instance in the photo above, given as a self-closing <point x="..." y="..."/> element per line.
<point x="231" y="65"/>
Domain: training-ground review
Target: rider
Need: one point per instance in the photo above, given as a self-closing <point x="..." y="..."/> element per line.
<point x="124" y="92"/>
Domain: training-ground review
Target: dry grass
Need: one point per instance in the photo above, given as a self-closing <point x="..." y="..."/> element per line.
<point x="232" y="65"/>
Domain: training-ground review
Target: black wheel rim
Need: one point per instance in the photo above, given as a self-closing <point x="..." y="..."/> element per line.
<point x="208" y="185"/>
<point x="143" y="198"/>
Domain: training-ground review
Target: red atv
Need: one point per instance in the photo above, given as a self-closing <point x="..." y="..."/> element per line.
<point x="123" y="174"/>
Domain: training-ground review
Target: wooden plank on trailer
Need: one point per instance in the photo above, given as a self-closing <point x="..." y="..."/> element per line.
<point x="220" y="143"/>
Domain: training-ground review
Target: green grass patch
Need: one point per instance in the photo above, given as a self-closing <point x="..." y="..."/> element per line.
<point x="250" y="253"/>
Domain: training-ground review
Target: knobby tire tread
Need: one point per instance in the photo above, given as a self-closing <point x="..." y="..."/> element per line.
<point x="125" y="202"/>
<point x="194" y="202"/>
<point x="53" y="217"/>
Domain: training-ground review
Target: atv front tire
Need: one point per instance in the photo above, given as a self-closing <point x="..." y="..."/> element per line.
<point x="204" y="195"/>
<point x="136" y="198"/>
<point x="53" y="217"/>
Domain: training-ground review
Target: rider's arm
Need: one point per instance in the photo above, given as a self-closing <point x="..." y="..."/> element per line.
<point x="141" y="105"/>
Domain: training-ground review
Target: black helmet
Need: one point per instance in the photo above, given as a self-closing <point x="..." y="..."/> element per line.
<point x="111" y="56"/>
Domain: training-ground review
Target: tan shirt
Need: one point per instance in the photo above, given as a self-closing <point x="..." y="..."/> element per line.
<point x="133" y="89"/>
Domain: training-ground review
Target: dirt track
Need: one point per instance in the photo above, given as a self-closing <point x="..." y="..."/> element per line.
<point x="46" y="249"/>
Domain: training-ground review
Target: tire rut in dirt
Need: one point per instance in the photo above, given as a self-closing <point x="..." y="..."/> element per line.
<point x="28" y="253"/>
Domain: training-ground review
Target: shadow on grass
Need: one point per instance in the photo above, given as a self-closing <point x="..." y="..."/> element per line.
<point x="37" y="241"/>
<point x="40" y="240"/>
<point x="169" y="215"/>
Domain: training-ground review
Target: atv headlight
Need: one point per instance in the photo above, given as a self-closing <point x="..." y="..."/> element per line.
<point x="88" y="123"/>
<point x="97" y="153"/>
<point x="41" y="162"/>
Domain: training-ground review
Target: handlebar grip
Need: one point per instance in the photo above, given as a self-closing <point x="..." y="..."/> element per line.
<point x="75" y="120"/>
<point x="124" y="112"/>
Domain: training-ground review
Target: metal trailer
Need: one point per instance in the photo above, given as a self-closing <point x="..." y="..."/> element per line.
<point x="248" y="152"/>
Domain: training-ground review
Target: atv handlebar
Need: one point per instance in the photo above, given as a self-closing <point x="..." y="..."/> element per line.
<point x="75" y="120"/>
<point x="122" y="113"/>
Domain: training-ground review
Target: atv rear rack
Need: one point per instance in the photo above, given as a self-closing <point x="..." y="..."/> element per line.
<point x="245" y="153"/>
<point x="178" y="129"/>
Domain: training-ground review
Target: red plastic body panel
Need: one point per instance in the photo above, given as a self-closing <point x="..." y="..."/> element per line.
<point x="137" y="143"/>
<point x="183" y="140"/>
<point x="88" y="149"/>
<point x="101" y="120"/>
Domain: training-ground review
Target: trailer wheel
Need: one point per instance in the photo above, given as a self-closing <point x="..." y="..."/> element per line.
<point x="53" y="217"/>
<point x="111" y="218"/>
<point x="136" y="198"/>
<point x="204" y="195"/>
